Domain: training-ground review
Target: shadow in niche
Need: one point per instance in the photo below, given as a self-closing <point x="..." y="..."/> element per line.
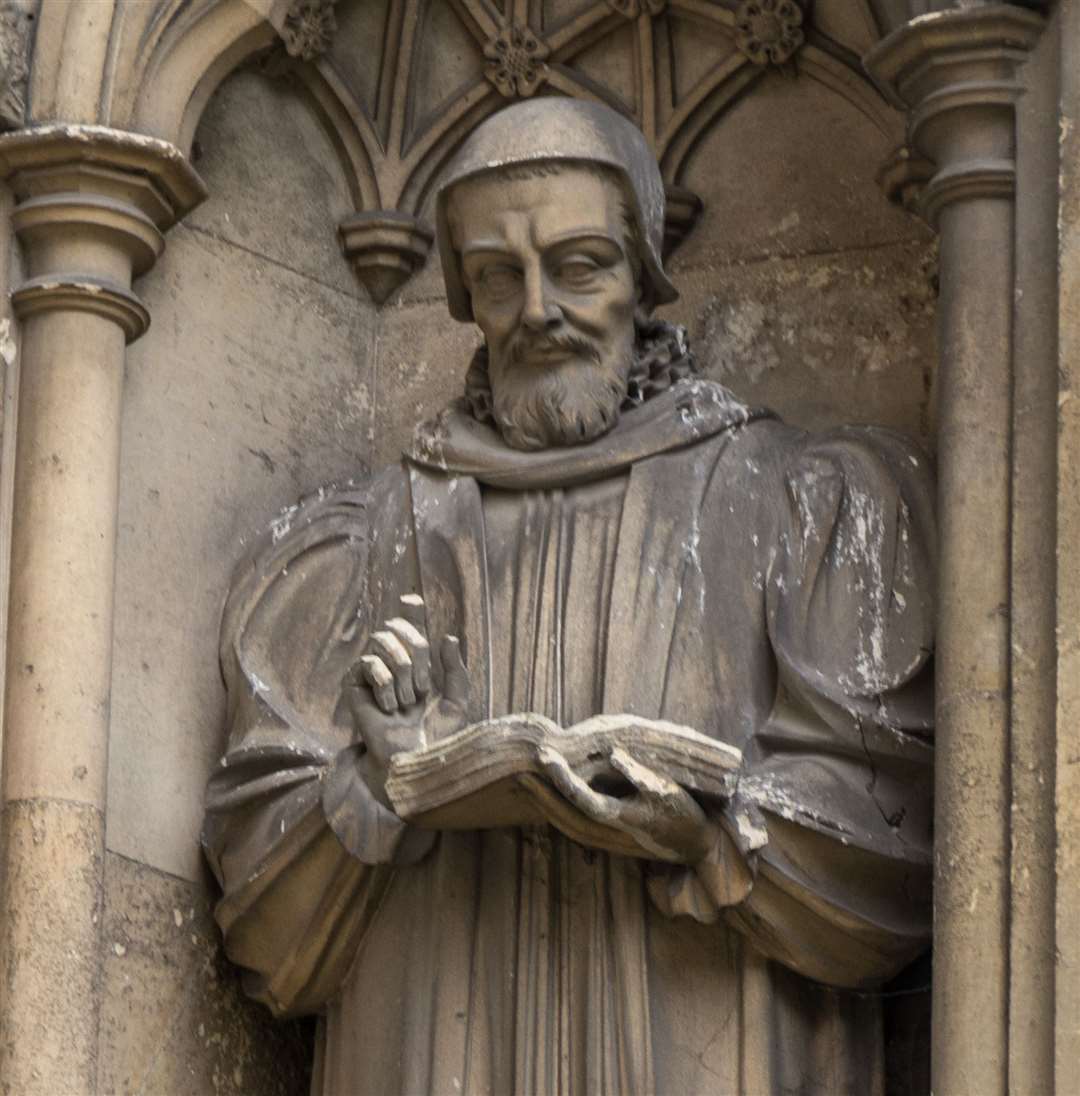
<point x="906" y="1018"/>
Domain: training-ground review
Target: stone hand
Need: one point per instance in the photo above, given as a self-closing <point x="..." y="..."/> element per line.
<point x="662" y="817"/>
<point x="392" y="696"/>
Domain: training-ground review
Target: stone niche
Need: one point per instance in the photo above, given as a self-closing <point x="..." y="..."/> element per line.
<point x="269" y="372"/>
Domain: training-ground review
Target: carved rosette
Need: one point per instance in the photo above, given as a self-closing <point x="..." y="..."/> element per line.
<point x="516" y="61"/>
<point x="631" y="9"/>
<point x="769" y="32"/>
<point x="385" y="248"/>
<point x="309" y="28"/>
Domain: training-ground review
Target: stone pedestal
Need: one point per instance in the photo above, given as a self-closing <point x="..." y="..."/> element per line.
<point x="92" y="206"/>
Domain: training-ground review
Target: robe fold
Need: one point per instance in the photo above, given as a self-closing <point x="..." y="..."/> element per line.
<point x="703" y="564"/>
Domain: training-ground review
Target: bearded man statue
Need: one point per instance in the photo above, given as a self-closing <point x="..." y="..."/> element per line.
<point x="595" y="529"/>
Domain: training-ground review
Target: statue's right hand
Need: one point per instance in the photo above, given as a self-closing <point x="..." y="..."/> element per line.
<point x="391" y="694"/>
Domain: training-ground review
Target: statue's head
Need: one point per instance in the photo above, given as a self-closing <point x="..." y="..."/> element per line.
<point x="550" y="222"/>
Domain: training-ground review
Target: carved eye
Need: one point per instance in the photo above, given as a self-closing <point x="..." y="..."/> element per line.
<point x="578" y="271"/>
<point x="500" y="281"/>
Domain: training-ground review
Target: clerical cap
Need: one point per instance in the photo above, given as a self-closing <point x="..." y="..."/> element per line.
<point x="561" y="129"/>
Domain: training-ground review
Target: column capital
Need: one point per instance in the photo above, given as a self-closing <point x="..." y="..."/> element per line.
<point x="956" y="74"/>
<point x="93" y="205"/>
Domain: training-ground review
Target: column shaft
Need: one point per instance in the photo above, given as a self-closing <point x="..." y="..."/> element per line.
<point x="63" y="557"/>
<point x="971" y="824"/>
<point x="92" y="204"/>
<point x="1034" y="548"/>
<point x="1066" y="943"/>
<point x="956" y="72"/>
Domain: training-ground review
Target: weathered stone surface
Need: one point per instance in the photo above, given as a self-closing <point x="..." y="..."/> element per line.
<point x="52" y="852"/>
<point x="789" y="170"/>
<point x="174" y="1018"/>
<point x="276" y="186"/>
<point x="1067" y="799"/>
<point x="283" y="350"/>
<point x="821" y="339"/>
<point x="421" y="358"/>
<point x="201" y="399"/>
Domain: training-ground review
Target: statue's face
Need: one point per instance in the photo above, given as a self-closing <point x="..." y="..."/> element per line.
<point x="554" y="291"/>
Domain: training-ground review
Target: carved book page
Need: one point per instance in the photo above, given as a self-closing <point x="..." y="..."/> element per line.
<point x="492" y="774"/>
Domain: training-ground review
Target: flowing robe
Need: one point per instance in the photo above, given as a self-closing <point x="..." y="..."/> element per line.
<point x="700" y="564"/>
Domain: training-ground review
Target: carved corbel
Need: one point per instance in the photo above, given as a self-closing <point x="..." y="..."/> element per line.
<point x="385" y="248"/>
<point x="955" y="73"/>
<point x="84" y="193"/>
<point x="682" y="211"/>
<point x="903" y="178"/>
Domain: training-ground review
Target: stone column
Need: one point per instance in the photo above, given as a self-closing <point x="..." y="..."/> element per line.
<point x="92" y="204"/>
<point x="956" y="72"/>
<point x="1067" y="800"/>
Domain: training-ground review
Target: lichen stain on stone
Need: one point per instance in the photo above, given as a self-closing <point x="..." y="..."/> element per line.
<point x="8" y="348"/>
<point x="736" y="336"/>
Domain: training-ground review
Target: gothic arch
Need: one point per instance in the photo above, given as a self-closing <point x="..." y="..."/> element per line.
<point x="393" y="132"/>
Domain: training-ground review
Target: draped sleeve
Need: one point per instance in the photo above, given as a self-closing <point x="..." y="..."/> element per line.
<point x="825" y="862"/>
<point x="300" y="847"/>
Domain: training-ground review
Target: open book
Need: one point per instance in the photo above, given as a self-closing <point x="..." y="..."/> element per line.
<point x="486" y="775"/>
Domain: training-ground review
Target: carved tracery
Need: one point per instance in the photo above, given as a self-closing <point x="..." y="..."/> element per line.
<point x="400" y="83"/>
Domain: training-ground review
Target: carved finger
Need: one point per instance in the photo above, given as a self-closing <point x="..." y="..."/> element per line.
<point x="599" y="807"/>
<point x="414" y="611"/>
<point x="664" y="818"/>
<point x="381" y="682"/>
<point x="416" y="644"/>
<point x="650" y="784"/>
<point x="396" y="656"/>
<point x="566" y="818"/>
<point x="455" y="673"/>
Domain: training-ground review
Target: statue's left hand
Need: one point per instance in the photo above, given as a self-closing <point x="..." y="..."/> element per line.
<point x="392" y="697"/>
<point x="663" y="818"/>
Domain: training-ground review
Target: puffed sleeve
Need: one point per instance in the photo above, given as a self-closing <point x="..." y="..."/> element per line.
<point x="825" y="862"/>
<point x="301" y="848"/>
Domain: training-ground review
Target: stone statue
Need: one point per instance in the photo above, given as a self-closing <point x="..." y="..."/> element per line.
<point x="595" y="529"/>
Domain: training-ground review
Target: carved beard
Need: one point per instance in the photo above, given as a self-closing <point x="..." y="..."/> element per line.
<point x="659" y="358"/>
<point x="568" y="403"/>
<point x="572" y="402"/>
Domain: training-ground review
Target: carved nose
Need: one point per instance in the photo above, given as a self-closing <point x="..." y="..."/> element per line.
<point x="545" y="319"/>
<point x="540" y="313"/>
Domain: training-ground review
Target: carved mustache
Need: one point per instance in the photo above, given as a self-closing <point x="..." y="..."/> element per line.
<point x="525" y="346"/>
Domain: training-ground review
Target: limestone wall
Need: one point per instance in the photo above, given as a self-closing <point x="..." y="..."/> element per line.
<point x="254" y="385"/>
